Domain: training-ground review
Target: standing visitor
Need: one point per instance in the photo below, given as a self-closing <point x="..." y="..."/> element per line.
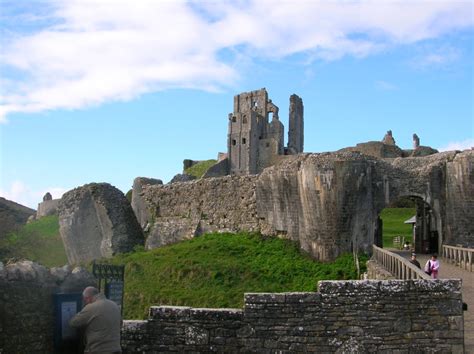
<point x="101" y="320"/>
<point x="414" y="261"/>
<point x="432" y="266"/>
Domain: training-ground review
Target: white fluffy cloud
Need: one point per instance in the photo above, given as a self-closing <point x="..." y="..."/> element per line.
<point x="458" y="145"/>
<point x="98" y="51"/>
<point x="21" y="193"/>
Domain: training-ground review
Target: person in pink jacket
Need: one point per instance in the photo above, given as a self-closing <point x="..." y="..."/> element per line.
<point x="432" y="266"/>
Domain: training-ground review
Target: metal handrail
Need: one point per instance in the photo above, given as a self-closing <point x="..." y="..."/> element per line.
<point x="460" y="256"/>
<point x="397" y="265"/>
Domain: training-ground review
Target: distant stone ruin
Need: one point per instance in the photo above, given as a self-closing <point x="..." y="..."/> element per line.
<point x="96" y="221"/>
<point x="49" y="206"/>
<point x="254" y="143"/>
<point x="388" y="138"/>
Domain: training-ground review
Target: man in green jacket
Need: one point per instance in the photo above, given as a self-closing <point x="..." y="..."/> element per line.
<point x="101" y="320"/>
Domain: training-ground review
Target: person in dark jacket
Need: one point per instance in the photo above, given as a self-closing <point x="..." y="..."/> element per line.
<point x="414" y="261"/>
<point x="101" y="320"/>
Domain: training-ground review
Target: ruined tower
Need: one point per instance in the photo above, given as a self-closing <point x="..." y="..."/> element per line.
<point x="255" y="143"/>
<point x="296" y="126"/>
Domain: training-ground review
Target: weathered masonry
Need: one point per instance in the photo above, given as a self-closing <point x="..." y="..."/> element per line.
<point x="344" y="316"/>
<point x="329" y="202"/>
<point x="254" y="143"/>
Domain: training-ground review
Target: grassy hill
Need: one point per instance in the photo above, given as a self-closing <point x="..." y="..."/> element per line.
<point x="38" y="241"/>
<point x="200" y="168"/>
<point x="393" y="224"/>
<point x="215" y="270"/>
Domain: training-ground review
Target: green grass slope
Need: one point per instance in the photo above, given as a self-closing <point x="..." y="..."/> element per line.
<point x="215" y="270"/>
<point x="37" y="241"/>
<point x="393" y="224"/>
<point x="200" y="168"/>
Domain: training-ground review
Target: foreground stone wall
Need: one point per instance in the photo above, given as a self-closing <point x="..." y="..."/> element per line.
<point x="26" y="304"/>
<point x="344" y="316"/>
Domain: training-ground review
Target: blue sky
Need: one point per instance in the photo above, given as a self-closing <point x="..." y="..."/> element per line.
<point x="106" y="91"/>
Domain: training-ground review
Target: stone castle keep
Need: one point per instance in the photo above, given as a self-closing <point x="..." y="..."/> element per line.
<point x="254" y="143"/>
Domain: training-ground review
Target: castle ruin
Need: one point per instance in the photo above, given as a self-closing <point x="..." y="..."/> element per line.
<point x="253" y="142"/>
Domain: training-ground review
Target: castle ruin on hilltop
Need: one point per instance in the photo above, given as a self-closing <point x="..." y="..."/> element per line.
<point x="253" y="142"/>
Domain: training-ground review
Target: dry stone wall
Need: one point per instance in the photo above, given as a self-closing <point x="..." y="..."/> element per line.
<point x="26" y="304"/>
<point x="344" y="316"/>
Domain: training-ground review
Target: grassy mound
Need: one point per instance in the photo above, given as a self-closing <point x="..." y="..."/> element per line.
<point x="215" y="270"/>
<point x="393" y="224"/>
<point x="200" y="168"/>
<point x="37" y="241"/>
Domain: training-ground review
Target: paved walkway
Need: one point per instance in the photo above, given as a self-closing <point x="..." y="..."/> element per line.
<point x="449" y="270"/>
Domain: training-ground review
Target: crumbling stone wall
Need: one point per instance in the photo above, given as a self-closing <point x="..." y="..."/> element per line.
<point x="96" y="221"/>
<point x="47" y="207"/>
<point x="460" y="200"/>
<point x="344" y="316"/>
<point x="138" y="204"/>
<point x="327" y="202"/>
<point x="184" y="210"/>
<point x="26" y="304"/>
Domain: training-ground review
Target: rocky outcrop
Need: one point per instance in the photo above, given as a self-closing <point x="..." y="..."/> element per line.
<point x="138" y="204"/>
<point x="12" y="216"/>
<point x="95" y="221"/>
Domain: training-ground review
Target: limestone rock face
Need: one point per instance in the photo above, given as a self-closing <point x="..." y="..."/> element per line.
<point x="96" y="221"/>
<point x="138" y="204"/>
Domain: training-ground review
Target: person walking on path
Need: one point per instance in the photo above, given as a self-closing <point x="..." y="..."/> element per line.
<point x="432" y="266"/>
<point x="414" y="261"/>
<point x="101" y="320"/>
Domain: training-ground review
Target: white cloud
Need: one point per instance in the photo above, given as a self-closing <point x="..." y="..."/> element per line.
<point x="458" y="145"/>
<point x="21" y="193"/>
<point x="99" y="51"/>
